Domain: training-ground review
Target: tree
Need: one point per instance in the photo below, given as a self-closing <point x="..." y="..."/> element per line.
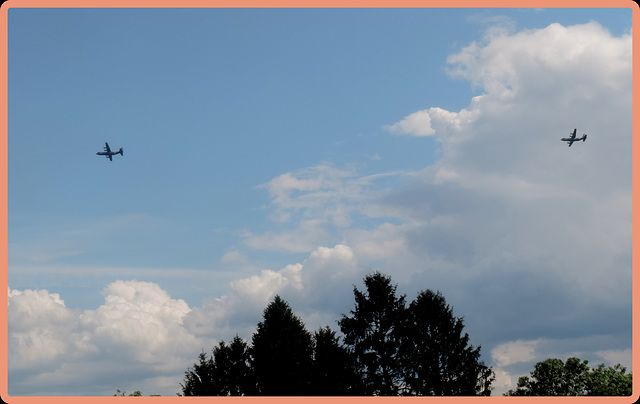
<point x="373" y="335"/>
<point x="552" y="377"/>
<point x="611" y="381"/>
<point x="281" y="355"/>
<point x="199" y="380"/>
<point x="120" y="393"/>
<point x="438" y="359"/>
<point x="226" y="373"/>
<point x="232" y="373"/>
<point x="333" y="372"/>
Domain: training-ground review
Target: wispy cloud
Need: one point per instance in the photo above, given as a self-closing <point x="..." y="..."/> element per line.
<point x="529" y="240"/>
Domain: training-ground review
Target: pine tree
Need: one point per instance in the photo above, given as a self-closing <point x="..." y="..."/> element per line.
<point x="232" y="373"/>
<point x="199" y="380"/>
<point x="373" y="335"/>
<point x="226" y="373"/>
<point x="438" y="359"/>
<point x="281" y="355"/>
<point x="333" y="372"/>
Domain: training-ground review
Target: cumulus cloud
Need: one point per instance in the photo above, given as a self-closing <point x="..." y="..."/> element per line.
<point x="525" y="236"/>
<point x="416" y="124"/>
<point x="511" y="216"/>
<point x="141" y="338"/>
<point x="529" y="240"/>
<point x="42" y="330"/>
<point x="505" y="186"/>
<point x="52" y="347"/>
<point x="513" y="352"/>
<point x="317" y="288"/>
<point x="140" y="320"/>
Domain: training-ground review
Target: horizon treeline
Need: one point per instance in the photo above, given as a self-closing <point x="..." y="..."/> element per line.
<point x="389" y="348"/>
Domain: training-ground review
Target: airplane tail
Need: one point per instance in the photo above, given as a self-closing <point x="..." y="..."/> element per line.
<point x="584" y="137"/>
<point x="121" y="152"/>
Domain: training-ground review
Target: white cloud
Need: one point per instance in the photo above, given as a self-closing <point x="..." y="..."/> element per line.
<point x="141" y="320"/>
<point x="385" y="241"/>
<point x="505" y="184"/>
<point x="554" y="59"/>
<point x="514" y="359"/>
<point x="616" y="356"/>
<point x="41" y="329"/>
<point x="302" y="239"/>
<point x="524" y="236"/>
<point x="138" y="326"/>
<point x="234" y="255"/>
<point x="263" y="287"/>
<point x="512" y="217"/>
<point x="314" y="285"/>
<point x="415" y="124"/>
<point x="141" y="338"/>
<point x="513" y="352"/>
<point x="309" y="204"/>
<point x="308" y="188"/>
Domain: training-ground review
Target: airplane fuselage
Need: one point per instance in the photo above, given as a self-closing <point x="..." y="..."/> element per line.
<point x="573" y="138"/>
<point x="108" y="153"/>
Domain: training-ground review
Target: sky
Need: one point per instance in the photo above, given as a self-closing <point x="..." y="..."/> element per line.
<point x="295" y="151"/>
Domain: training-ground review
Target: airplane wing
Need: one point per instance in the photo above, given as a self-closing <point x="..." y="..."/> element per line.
<point x="110" y="157"/>
<point x="574" y="133"/>
<point x="108" y="149"/>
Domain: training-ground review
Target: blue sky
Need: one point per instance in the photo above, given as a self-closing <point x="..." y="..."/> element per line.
<point x="269" y="150"/>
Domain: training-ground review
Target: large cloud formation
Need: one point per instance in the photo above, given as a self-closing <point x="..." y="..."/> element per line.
<point x="142" y="339"/>
<point x="528" y="239"/>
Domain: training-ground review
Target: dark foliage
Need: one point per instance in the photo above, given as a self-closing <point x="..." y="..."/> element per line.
<point x="373" y="334"/>
<point x="333" y="372"/>
<point x="389" y="349"/>
<point x="552" y="377"/>
<point x="437" y="356"/>
<point x="225" y="373"/>
<point x="281" y="355"/>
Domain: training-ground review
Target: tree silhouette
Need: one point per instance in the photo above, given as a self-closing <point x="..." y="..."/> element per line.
<point x="333" y="372"/>
<point x="373" y="335"/>
<point x="437" y="356"/>
<point x="225" y="373"/>
<point x="232" y="373"/>
<point x="198" y="381"/>
<point x="388" y="349"/>
<point x="281" y="355"/>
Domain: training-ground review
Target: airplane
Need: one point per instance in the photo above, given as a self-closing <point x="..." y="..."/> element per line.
<point x="572" y="139"/>
<point x="108" y="153"/>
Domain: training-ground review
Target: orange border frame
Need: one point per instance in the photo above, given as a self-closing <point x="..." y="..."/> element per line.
<point x="297" y="4"/>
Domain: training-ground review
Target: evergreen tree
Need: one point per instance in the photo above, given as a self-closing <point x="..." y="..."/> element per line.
<point x="199" y="380"/>
<point x="437" y="357"/>
<point x="333" y="372"/>
<point x="225" y="373"/>
<point x="232" y="373"/>
<point x="373" y="335"/>
<point x="281" y="355"/>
